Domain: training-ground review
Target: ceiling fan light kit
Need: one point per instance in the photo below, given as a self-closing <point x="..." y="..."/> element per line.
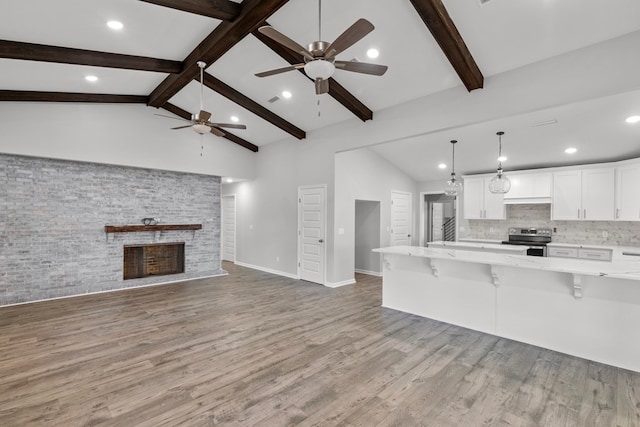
<point x="500" y="184"/>
<point x="319" y="69"/>
<point x="200" y="121"/>
<point x="201" y="128"/>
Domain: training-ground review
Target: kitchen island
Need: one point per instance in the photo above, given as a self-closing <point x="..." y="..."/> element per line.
<point x="588" y="309"/>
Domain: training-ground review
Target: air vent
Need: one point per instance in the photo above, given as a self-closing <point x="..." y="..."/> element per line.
<point x="274" y="99"/>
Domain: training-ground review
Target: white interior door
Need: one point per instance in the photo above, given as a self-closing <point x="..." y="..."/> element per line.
<point x="437" y="221"/>
<point x="400" y="218"/>
<point x="229" y="228"/>
<point x="311" y="233"/>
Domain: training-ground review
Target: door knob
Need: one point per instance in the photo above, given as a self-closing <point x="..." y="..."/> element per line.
<point x="320" y="241"/>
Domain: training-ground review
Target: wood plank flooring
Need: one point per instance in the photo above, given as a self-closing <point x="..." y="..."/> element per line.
<point x="257" y="349"/>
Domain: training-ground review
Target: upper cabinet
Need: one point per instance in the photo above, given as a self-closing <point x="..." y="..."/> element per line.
<point x="628" y="192"/>
<point x="529" y="188"/>
<point x="586" y="194"/>
<point x="479" y="202"/>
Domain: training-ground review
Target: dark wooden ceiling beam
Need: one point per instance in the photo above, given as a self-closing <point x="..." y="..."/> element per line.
<point x="227" y="135"/>
<point x="220" y="9"/>
<point x="247" y="103"/>
<point x="437" y="19"/>
<point x="34" y="96"/>
<point x="336" y="90"/>
<point x="216" y="44"/>
<point x="65" y="55"/>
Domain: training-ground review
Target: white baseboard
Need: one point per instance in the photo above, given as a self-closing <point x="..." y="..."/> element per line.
<point x="267" y="270"/>
<point x="338" y="284"/>
<point x="117" y="289"/>
<point x="370" y="273"/>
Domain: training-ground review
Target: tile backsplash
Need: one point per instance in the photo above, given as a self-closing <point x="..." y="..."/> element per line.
<point x="611" y="233"/>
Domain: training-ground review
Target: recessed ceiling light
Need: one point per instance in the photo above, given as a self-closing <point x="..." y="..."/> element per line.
<point x="91" y="78"/>
<point x="633" y="119"/>
<point x="442" y="165"/>
<point x="235" y="119"/>
<point x="286" y="94"/>
<point x="502" y="158"/>
<point x="229" y="180"/>
<point x="115" y="25"/>
<point x="570" y="150"/>
<point x="373" y="53"/>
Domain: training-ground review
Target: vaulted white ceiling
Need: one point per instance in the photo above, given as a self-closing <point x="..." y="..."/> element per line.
<point x="500" y="34"/>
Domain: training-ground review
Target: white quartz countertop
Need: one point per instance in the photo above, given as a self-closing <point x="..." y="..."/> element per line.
<point x="481" y="245"/>
<point x="620" y="269"/>
<point x="492" y="241"/>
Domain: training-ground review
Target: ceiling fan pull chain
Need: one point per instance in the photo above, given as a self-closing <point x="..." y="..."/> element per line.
<point x="318" y="106"/>
<point x="201" y="144"/>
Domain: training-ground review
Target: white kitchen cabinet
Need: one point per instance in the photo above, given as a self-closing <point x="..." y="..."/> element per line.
<point x="628" y="192"/>
<point x="479" y="202"/>
<point x="529" y="188"/>
<point x="579" y="251"/>
<point x="595" y="254"/>
<point x="562" y="252"/>
<point x="586" y="194"/>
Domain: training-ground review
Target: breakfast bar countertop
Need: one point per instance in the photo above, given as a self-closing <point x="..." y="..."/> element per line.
<point x="627" y="268"/>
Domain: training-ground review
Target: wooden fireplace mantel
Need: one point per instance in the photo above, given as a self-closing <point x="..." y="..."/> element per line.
<point x="158" y="227"/>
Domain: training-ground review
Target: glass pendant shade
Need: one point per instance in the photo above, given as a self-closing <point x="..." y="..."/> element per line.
<point x="500" y="184"/>
<point x="453" y="186"/>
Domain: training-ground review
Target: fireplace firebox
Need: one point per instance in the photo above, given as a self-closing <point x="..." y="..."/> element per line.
<point x="157" y="259"/>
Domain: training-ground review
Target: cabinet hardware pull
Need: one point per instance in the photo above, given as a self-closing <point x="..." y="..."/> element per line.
<point x="578" y="213"/>
<point x="617" y="213"/>
<point x="585" y="214"/>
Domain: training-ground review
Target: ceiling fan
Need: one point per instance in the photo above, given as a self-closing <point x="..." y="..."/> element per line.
<point x="200" y="122"/>
<point x="319" y="59"/>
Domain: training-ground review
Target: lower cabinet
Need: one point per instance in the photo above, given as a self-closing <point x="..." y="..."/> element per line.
<point x="596" y="254"/>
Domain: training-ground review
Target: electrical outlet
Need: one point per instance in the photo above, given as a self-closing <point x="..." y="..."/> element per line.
<point x="605" y="234"/>
<point x="277" y="259"/>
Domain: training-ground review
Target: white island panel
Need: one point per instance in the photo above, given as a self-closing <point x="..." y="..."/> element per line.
<point x="571" y="306"/>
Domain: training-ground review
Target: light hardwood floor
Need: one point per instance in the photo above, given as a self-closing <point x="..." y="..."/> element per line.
<point x="258" y="349"/>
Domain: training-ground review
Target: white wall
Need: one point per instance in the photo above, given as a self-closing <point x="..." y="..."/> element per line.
<point x="119" y="134"/>
<point x="364" y="175"/>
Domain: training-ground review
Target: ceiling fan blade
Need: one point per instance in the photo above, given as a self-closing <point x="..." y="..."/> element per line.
<point x="349" y="37"/>
<point x="322" y="86"/>
<point x="227" y="125"/>
<point x="171" y="117"/>
<point x="204" y="116"/>
<point x="216" y="131"/>
<point x="279" y="70"/>
<point x="285" y="41"/>
<point x="361" y="67"/>
<point x="182" y="127"/>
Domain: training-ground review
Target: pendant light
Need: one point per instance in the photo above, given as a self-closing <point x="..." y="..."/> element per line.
<point x="500" y="184"/>
<point x="454" y="186"/>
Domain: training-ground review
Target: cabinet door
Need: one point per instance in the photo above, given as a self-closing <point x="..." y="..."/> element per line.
<point x="567" y="195"/>
<point x="529" y="186"/>
<point x="473" y="198"/>
<point x="628" y="193"/>
<point x="493" y="203"/>
<point x="598" y="193"/>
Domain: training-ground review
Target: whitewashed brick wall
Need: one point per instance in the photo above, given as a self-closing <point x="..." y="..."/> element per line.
<point x="52" y="218"/>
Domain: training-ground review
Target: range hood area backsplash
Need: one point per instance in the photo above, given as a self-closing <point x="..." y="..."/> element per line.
<point x="611" y="233"/>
